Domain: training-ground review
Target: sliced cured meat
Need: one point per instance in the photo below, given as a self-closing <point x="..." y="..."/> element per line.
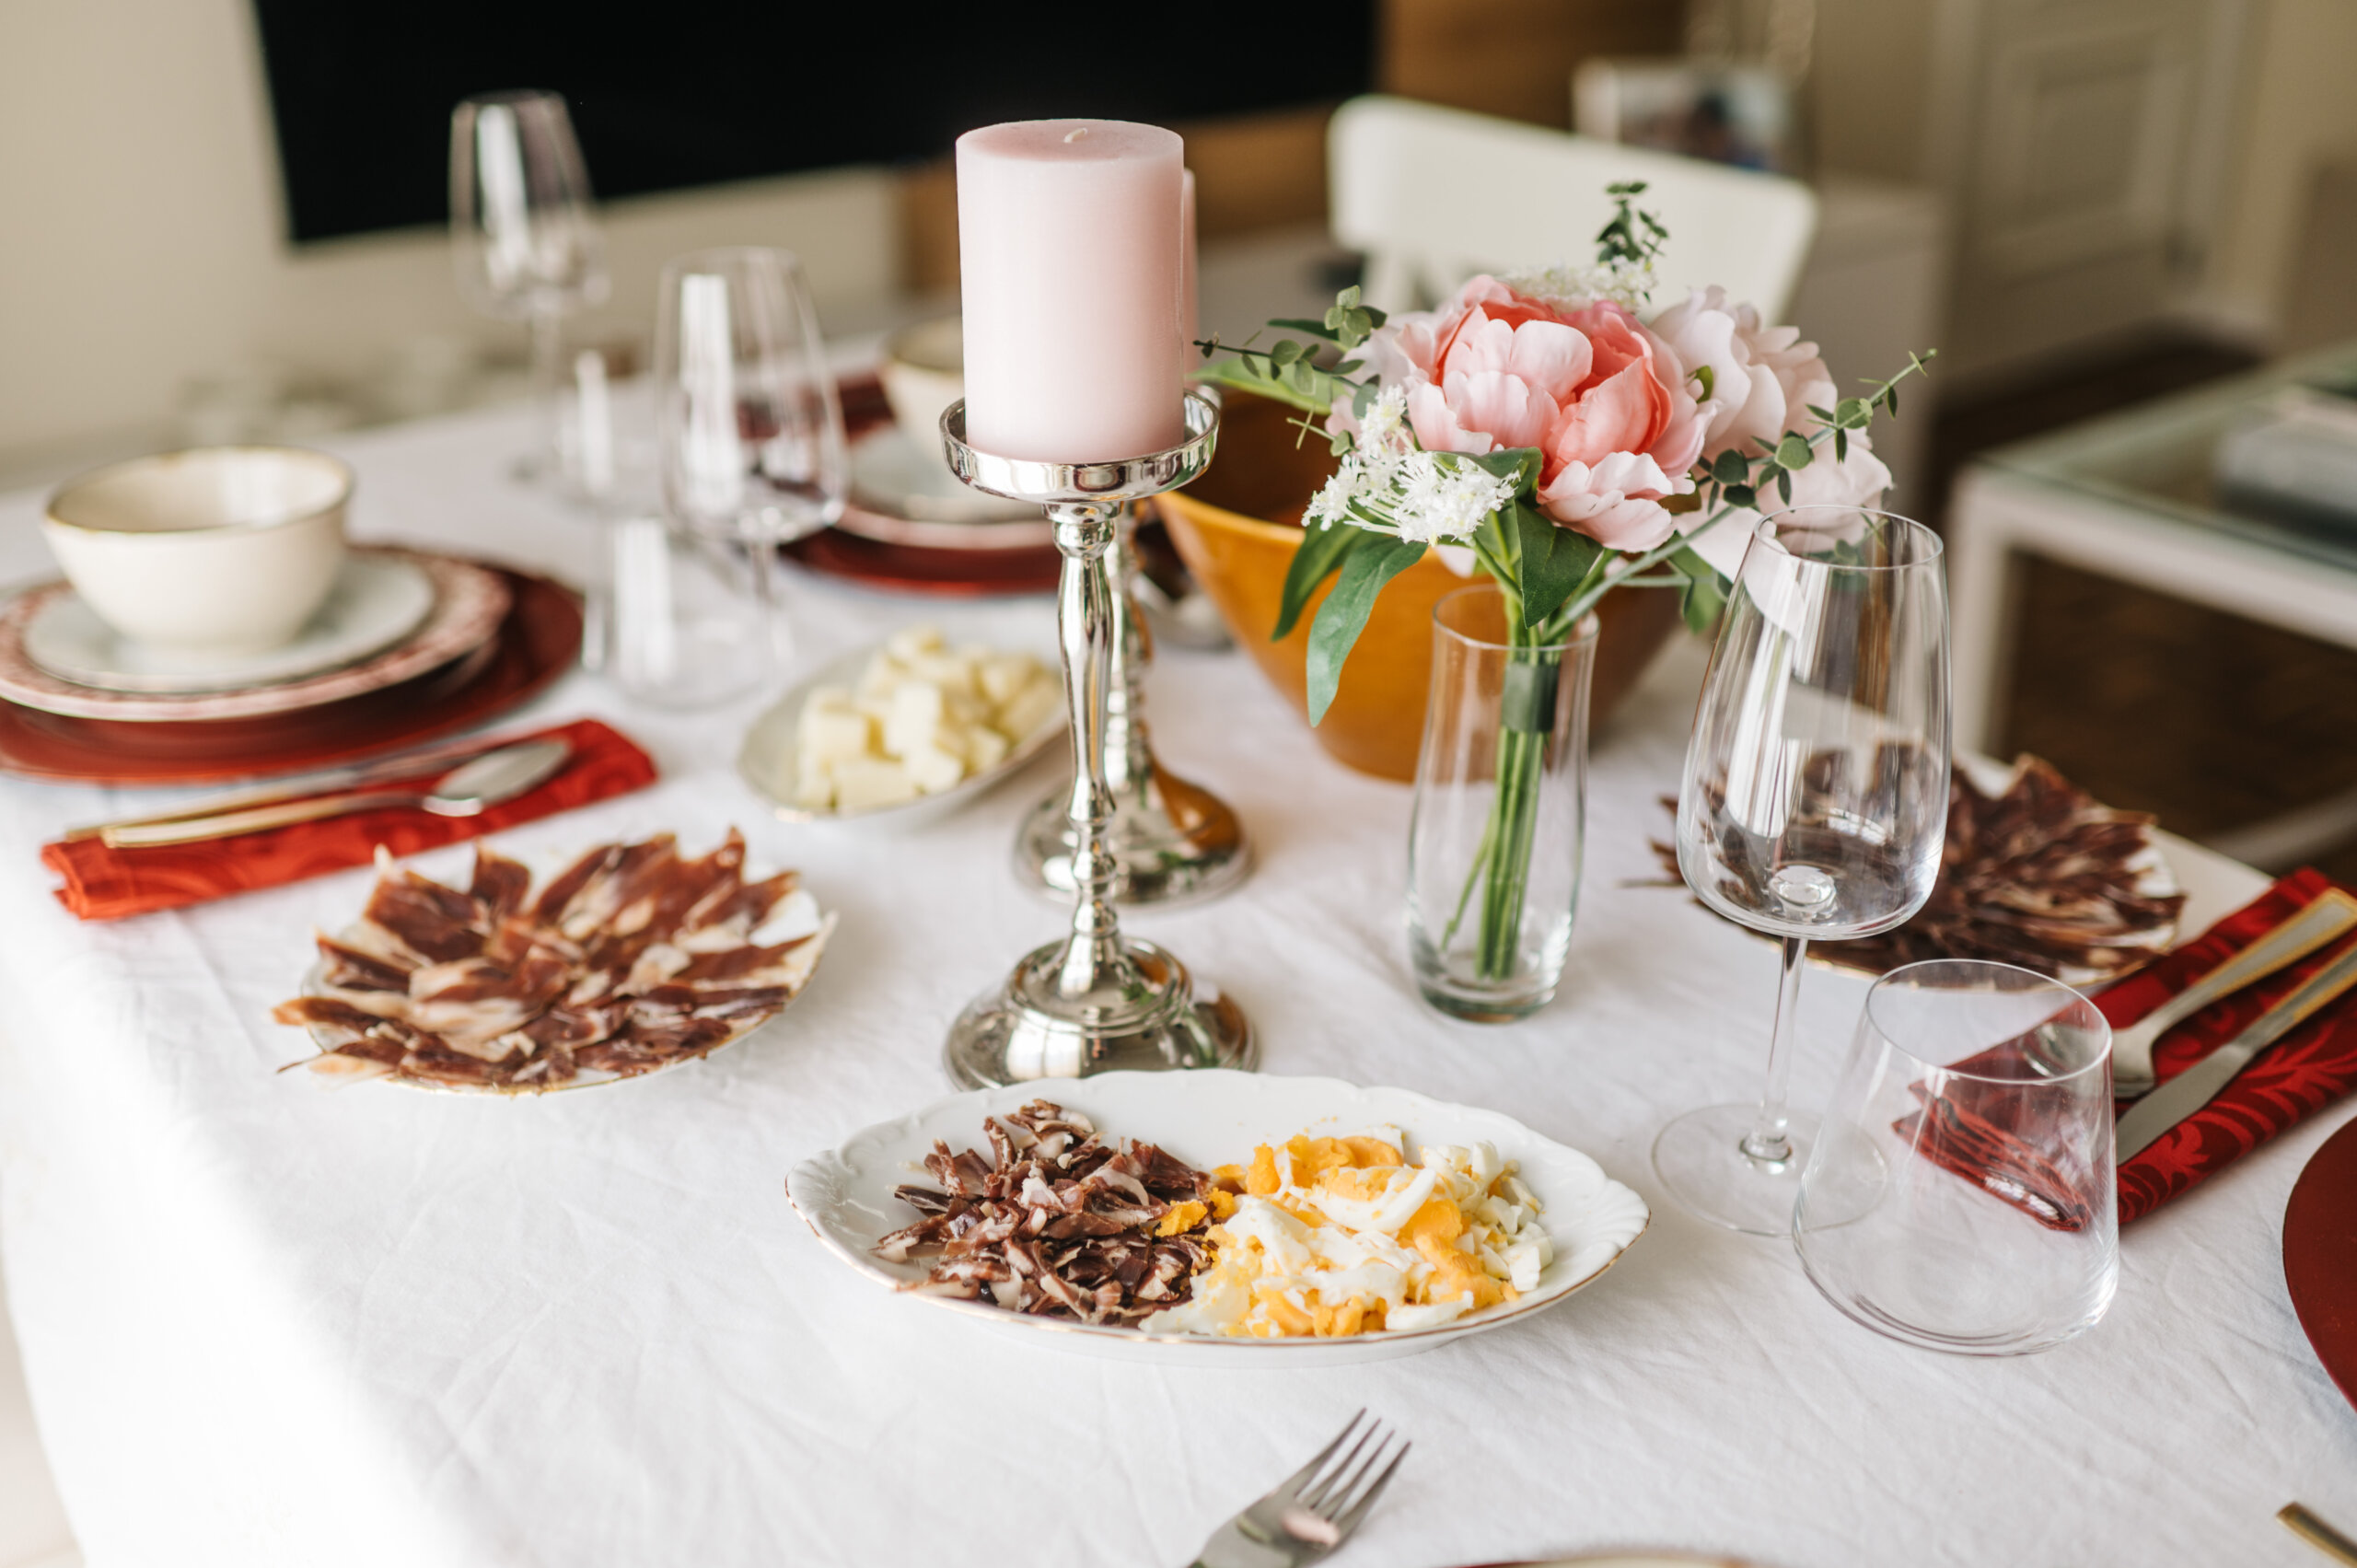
<point x="1056" y="1222"/>
<point x="631" y="959"/>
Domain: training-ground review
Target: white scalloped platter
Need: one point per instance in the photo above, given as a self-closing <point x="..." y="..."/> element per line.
<point x="1207" y="1118"/>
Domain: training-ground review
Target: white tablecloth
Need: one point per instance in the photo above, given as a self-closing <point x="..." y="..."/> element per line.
<point x="264" y="1323"/>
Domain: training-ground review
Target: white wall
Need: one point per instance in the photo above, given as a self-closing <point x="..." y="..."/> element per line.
<point x="141" y="231"/>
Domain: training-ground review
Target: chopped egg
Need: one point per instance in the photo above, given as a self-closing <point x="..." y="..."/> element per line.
<point x="922" y="718"/>
<point x="1331" y="1237"/>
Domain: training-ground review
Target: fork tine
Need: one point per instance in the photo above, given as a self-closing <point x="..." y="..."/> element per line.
<point x="1291" y="1486"/>
<point x="1342" y="1479"/>
<point x="1350" y="1520"/>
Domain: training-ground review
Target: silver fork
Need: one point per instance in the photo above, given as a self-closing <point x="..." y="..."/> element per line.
<point x="1315" y="1509"/>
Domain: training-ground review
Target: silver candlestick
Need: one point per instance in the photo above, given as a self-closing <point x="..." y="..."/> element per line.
<point x="1172" y="841"/>
<point x="1095" y="1001"/>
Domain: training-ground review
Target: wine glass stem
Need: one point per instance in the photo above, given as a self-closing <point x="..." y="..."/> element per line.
<point x="548" y="377"/>
<point x="777" y="636"/>
<point x="1768" y="1141"/>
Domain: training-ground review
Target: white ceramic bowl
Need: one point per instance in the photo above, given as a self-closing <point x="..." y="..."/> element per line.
<point x="215" y="550"/>
<point x="923" y="372"/>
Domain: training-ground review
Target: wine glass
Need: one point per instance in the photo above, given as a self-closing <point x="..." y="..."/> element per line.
<point x="750" y="426"/>
<point x="1814" y="800"/>
<point x="523" y="230"/>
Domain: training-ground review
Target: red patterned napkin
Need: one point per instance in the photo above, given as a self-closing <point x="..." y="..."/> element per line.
<point x="1968" y="1130"/>
<point x="108" y="884"/>
<point x="2299" y="1076"/>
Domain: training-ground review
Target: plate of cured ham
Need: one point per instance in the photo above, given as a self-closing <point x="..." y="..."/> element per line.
<point x="1214" y="1217"/>
<point x="627" y="960"/>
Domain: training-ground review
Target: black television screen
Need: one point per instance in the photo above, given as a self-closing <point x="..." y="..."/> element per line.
<point x="701" y="92"/>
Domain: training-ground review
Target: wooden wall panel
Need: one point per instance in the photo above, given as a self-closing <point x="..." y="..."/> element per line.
<point x="1512" y="58"/>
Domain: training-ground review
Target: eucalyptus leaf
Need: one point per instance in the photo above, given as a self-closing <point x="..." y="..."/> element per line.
<point x="1732" y="468"/>
<point x="1245" y="376"/>
<point x="1342" y="617"/>
<point x="1303" y="324"/>
<point x="1740" y="496"/>
<point x="1701" y="603"/>
<point x="1784" y="484"/>
<point x="1792" y="451"/>
<point x="1321" y="552"/>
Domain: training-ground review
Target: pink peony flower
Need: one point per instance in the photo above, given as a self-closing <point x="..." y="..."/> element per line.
<point x="1607" y="402"/>
<point x="1763" y="378"/>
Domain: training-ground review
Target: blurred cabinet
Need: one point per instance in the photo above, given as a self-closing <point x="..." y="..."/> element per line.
<point x="2083" y="145"/>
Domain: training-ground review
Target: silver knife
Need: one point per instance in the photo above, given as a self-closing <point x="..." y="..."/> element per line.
<point x="302" y="786"/>
<point x="2194" y="1087"/>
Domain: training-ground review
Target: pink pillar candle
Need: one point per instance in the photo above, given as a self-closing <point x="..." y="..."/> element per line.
<point x="1069" y="249"/>
<point x="1190" y="306"/>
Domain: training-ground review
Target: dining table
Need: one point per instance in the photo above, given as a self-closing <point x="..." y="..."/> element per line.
<point x="267" y="1320"/>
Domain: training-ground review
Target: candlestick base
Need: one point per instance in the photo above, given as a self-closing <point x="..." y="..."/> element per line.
<point x="1146" y="1013"/>
<point x="1096" y="1001"/>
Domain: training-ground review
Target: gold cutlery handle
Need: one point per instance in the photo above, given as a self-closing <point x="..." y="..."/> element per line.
<point x="2331" y="915"/>
<point x="229" y="824"/>
<point x="2318" y="1534"/>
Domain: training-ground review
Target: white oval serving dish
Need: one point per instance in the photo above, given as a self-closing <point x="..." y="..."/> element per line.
<point x="1212" y="1117"/>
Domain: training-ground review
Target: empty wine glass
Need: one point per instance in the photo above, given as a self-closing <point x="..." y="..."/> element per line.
<point x="1814" y="800"/>
<point x="524" y="229"/>
<point x="748" y="423"/>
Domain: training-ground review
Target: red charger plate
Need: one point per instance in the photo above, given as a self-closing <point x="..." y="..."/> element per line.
<point x="950" y="573"/>
<point x="2320" y="1256"/>
<point x="536" y="643"/>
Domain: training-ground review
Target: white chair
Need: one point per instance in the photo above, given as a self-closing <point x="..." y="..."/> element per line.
<point x="1434" y="195"/>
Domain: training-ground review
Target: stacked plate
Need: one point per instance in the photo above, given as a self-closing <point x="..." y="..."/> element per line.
<point x="408" y="644"/>
<point x="910" y="524"/>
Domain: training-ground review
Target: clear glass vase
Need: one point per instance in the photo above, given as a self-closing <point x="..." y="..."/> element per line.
<point x="1494" y="848"/>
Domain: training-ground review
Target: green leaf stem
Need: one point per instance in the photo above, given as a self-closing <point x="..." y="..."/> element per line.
<point x="1342" y="617"/>
<point x="1319" y="558"/>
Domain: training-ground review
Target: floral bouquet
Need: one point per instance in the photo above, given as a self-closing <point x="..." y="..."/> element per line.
<point x="1538" y="429"/>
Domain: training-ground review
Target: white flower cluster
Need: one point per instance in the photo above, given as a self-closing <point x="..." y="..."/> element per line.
<point x="1625" y="282"/>
<point x="1390" y="484"/>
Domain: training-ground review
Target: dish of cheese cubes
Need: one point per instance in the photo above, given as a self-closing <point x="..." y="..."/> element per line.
<point x="911" y="723"/>
<point x="1360" y="1223"/>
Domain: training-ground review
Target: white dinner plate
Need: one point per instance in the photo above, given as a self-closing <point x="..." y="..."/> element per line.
<point x="1212" y="1117"/>
<point x="770" y="760"/>
<point x="379" y="597"/>
<point x="902" y="492"/>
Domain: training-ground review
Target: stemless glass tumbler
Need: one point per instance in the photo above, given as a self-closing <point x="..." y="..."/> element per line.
<point x="1816" y="797"/>
<point x="1960" y="1196"/>
<point x="1493" y="849"/>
